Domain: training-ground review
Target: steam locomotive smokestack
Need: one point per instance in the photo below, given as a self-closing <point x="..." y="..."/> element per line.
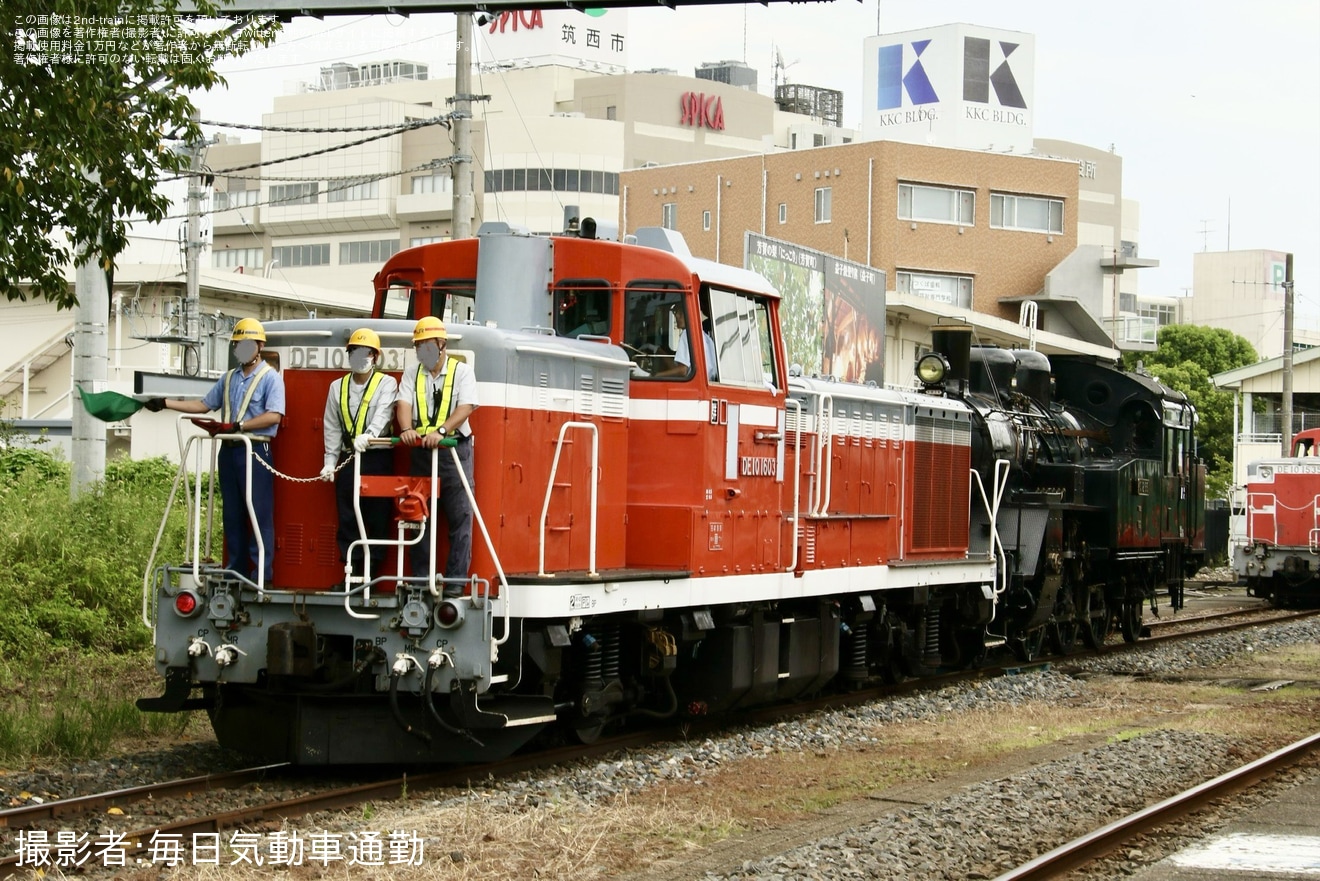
<point x="954" y="343"/>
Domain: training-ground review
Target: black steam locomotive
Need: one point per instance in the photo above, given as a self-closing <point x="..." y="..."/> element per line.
<point x="1101" y="502"/>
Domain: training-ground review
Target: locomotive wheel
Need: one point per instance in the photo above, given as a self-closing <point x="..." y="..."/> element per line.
<point x="1099" y="624"/>
<point x="1130" y="620"/>
<point x="1026" y="646"/>
<point x="587" y="731"/>
<point x="1063" y="636"/>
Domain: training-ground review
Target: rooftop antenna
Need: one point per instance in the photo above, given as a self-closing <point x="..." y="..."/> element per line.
<point x="1205" y="234"/>
<point x="780" y="67"/>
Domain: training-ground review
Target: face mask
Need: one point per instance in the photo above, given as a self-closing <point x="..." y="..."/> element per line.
<point x="360" y="360"/>
<point x="245" y="351"/>
<point x="428" y="352"/>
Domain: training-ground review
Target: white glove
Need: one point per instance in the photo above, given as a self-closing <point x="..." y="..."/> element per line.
<point x="362" y="442"/>
<point x="328" y="472"/>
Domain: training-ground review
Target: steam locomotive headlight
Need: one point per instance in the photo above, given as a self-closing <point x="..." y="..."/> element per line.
<point x="449" y="614"/>
<point x="187" y="603"/>
<point x="932" y="368"/>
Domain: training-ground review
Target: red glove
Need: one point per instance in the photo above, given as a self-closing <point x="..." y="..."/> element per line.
<point x="211" y="427"/>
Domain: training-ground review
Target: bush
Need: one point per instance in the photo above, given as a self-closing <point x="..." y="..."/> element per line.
<point x="71" y="571"/>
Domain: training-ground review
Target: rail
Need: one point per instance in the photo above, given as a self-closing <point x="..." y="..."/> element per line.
<point x="1100" y="842"/>
<point x="550" y="488"/>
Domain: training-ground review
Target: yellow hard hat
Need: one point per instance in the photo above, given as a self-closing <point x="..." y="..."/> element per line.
<point x="364" y="336"/>
<point x="248" y="329"/>
<point x="429" y="327"/>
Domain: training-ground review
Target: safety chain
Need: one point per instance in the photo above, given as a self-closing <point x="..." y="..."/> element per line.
<point x="289" y="477"/>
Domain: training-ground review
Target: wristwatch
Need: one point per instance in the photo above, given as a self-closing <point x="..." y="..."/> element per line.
<point x="239" y="426"/>
<point x="444" y="432"/>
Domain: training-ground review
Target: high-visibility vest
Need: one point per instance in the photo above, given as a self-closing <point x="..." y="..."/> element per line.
<point x="226" y="415"/>
<point x="426" y="421"/>
<point x="354" y="425"/>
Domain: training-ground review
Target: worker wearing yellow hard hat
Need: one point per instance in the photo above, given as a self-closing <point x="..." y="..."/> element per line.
<point x="435" y="399"/>
<point x="358" y="409"/>
<point x="250" y="398"/>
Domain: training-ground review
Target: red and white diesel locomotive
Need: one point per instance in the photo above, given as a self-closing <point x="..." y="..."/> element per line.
<point x="1279" y="556"/>
<point x="659" y="535"/>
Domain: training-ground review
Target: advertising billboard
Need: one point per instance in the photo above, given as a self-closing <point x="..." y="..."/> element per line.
<point x="832" y="311"/>
<point x="956" y="85"/>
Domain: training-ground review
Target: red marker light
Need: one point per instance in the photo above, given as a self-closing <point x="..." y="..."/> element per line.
<point x="185" y="603"/>
<point x="448" y="614"/>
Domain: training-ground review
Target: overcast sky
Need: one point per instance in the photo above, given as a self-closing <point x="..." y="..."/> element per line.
<point x="1213" y="105"/>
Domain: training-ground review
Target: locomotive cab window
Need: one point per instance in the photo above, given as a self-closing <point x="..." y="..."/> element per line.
<point x="655" y="331"/>
<point x="582" y="308"/>
<point x="453" y="299"/>
<point x="398" y="301"/>
<point x="741" y="331"/>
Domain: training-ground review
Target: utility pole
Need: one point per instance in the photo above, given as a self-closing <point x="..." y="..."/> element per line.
<point x="461" y="220"/>
<point x="90" y="357"/>
<point x="1287" y="355"/>
<point x="192" y="300"/>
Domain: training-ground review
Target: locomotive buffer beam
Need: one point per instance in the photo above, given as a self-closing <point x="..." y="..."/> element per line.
<point x="178" y="687"/>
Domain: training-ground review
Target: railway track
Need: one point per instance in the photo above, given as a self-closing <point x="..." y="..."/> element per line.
<point x="1095" y="845"/>
<point x="133" y="843"/>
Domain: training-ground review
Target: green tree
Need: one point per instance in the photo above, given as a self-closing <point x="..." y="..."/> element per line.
<point x="106" y="104"/>
<point x="1185" y="358"/>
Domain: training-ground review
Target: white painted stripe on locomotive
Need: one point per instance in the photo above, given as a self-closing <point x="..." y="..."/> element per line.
<point x="575" y="401"/>
<point x="554" y="599"/>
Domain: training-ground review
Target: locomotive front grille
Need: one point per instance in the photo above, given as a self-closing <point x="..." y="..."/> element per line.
<point x="942" y="458"/>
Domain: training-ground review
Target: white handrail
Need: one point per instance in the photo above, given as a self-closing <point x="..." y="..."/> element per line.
<point x="550" y="486"/>
<point x="797" y="475"/>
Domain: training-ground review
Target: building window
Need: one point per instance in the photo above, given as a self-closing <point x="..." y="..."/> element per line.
<point x="221" y="200"/>
<point x="937" y="204"/>
<point x="373" y="251"/>
<point x="231" y="258"/>
<point x="426" y="240"/>
<point x="571" y="180"/>
<point x="705" y="220"/>
<point x="792" y="141"/>
<point x="1030" y="213"/>
<point x="823" y="198"/>
<point x="1163" y="313"/>
<point x="956" y="290"/>
<point x="783" y="212"/>
<point x="295" y="194"/>
<point x="1127" y="302"/>
<point x="669" y="215"/>
<point x="431" y="183"/>
<point x="612" y="112"/>
<point x="352" y="191"/>
<point x="301" y="255"/>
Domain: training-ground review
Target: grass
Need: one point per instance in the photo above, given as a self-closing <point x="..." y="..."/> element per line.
<point x="77" y="706"/>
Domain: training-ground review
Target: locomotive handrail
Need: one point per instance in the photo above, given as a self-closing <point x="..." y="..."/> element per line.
<point x="992" y="511"/>
<point x="485" y="533"/>
<point x="1253" y="512"/>
<point x="529" y="348"/>
<point x="824" y="460"/>
<point x="550" y="486"/>
<point x="797" y="473"/>
<point x="180" y="475"/>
